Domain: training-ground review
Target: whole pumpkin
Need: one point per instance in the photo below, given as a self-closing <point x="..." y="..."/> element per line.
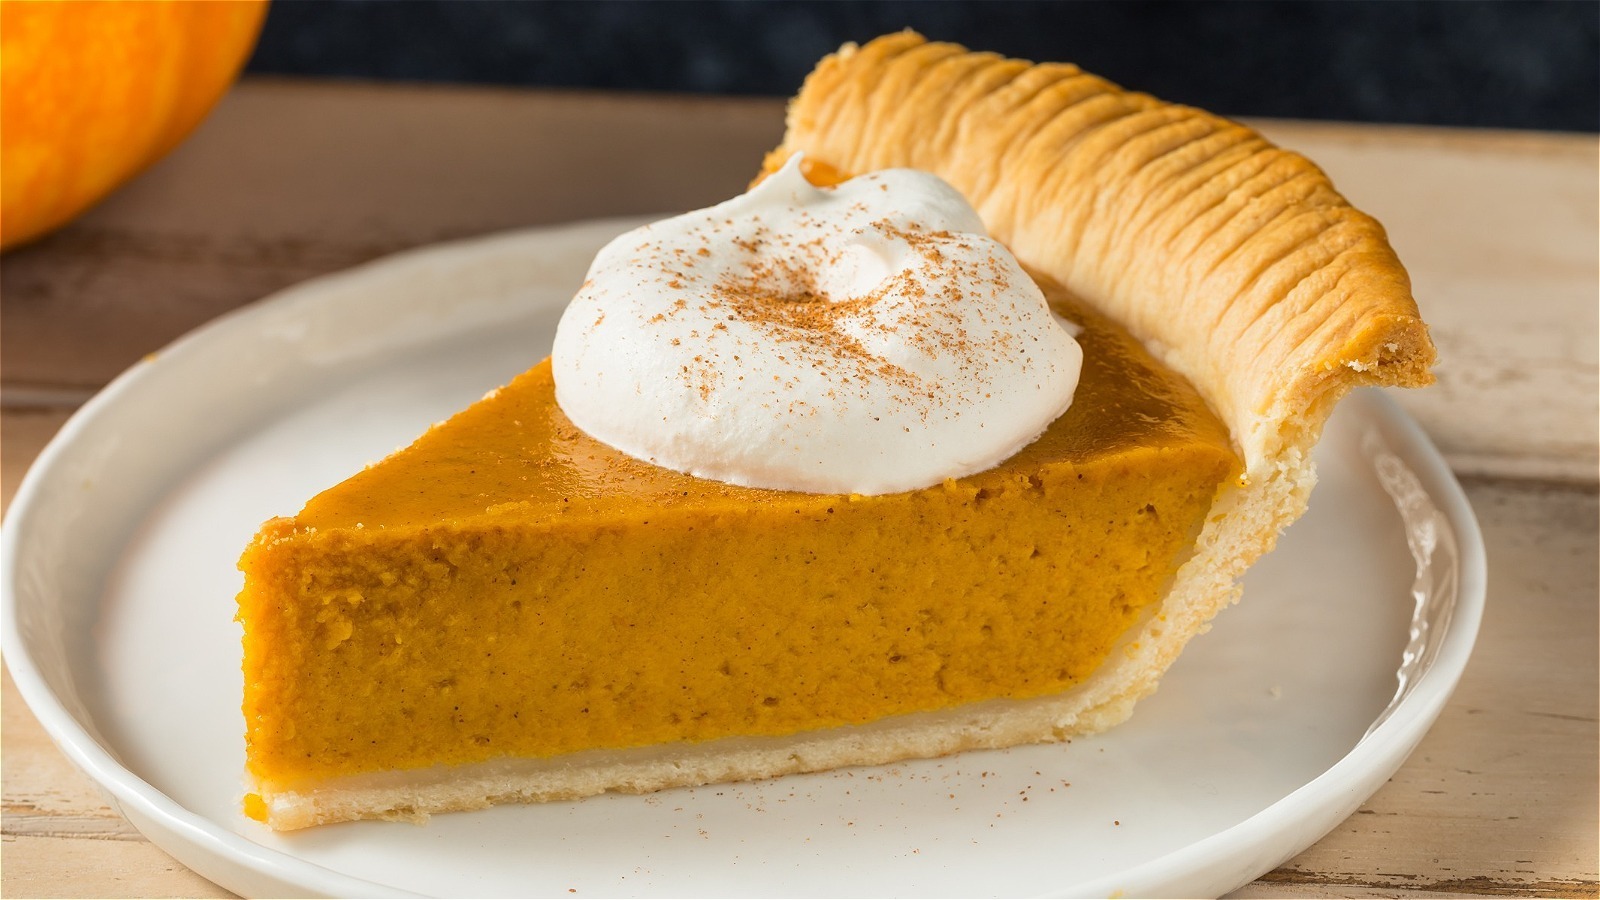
<point x="93" y="92"/>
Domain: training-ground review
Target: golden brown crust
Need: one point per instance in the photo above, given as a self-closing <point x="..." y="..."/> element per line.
<point x="1238" y="259"/>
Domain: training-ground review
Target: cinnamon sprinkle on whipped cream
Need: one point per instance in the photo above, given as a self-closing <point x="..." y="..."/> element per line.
<point x="867" y="338"/>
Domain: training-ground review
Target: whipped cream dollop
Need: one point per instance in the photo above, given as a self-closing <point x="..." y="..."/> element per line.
<point x="867" y="338"/>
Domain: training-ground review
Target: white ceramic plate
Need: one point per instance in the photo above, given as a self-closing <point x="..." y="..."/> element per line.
<point x="118" y="601"/>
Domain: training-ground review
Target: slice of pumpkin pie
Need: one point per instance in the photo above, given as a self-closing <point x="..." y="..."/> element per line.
<point x="957" y="453"/>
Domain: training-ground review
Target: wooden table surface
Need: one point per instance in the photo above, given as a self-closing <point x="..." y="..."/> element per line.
<point x="292" y="179"/>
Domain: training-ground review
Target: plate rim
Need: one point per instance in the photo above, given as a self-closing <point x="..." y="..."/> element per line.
<point x="1385" y="748"/>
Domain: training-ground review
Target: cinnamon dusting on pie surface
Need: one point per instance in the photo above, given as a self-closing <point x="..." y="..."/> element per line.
<point x="781" y="292"/>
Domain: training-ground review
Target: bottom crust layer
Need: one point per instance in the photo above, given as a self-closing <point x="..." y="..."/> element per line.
<point x="415" y="794"/>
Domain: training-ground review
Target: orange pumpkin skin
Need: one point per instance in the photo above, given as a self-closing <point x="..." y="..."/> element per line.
<point x="93" y="92"/>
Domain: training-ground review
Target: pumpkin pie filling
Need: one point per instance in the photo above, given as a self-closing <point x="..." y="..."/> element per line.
<point x="509" y="587"/>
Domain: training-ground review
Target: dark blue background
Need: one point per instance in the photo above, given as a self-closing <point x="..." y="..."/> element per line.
<point x="1516" y="64"/>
